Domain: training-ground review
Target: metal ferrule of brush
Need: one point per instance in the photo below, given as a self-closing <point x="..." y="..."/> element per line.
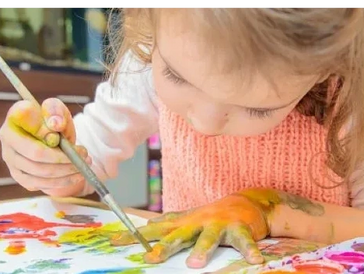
<point x="109" y="200"/>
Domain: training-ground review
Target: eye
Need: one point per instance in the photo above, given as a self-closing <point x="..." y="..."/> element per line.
<point x="172" y="76"/>
<point x="259" y="113"/>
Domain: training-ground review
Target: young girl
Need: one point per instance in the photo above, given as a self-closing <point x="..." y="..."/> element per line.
<point x="260" y="116"/>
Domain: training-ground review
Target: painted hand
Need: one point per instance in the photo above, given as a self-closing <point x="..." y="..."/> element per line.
<point x="236" y="220"/>
<point x="30" y="152"/>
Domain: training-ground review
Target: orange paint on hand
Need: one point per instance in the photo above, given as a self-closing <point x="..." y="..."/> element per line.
<point x="15" y="248"/>
<point x="155" y="256"/>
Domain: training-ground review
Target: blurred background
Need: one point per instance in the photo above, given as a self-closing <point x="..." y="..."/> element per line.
<point x="62" y="53"/>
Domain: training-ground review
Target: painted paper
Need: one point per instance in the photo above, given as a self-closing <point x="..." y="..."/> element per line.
<point x="45" y="237"/>
<point x="345" y="258"/>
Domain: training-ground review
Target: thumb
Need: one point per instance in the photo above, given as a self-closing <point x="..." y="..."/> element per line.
<point x="58" y="118"/>
<point x="26" y="118"/>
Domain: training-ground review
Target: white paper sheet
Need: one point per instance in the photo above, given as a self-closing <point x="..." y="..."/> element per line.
<point x="92" y="253"/>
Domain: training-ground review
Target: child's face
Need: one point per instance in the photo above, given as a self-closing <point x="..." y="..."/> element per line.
<point x="216" y="103"/>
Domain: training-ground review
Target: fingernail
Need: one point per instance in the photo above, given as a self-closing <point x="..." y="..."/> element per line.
<point x="52" y="139"/>
<point x="256" y="259"/>
<point x="54" y="122"/>
<point x="197" y="261"/>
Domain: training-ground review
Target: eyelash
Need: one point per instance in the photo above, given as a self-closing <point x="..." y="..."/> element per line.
<point x="172" y="77"/>
<point x="261" y="114"/>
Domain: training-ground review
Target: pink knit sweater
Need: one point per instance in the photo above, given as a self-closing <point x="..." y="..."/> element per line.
<point x="198" y="169"/>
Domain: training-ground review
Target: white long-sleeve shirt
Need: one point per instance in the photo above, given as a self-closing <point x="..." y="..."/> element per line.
<point x="123" y="116"/>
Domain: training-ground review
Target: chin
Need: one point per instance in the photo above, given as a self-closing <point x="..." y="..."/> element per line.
<point x="208" y="133"/>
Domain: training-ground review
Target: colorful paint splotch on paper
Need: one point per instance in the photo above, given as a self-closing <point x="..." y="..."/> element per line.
<point x="44" y="266"/>
<point x="338" y="258"/>
<point x="276" y="249"/>
<point x="76" y="218"/>
<point x="15" y="247"/>
<point x="358" y="247"/>
<point x="25" y="226"/>
<point x="66" y="239"/>
<point x="92" y="239"/>
<point x="115" y="271"/>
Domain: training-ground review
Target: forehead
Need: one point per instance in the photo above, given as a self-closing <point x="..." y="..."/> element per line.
<point x="203" y="63"/>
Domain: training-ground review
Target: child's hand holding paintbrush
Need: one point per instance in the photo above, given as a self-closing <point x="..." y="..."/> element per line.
<point x="26" y="120"/>
<point x="30" y="149"/>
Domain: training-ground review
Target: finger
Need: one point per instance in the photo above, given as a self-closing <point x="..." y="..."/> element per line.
<point x="43" y="170"/>
<point x="36" y="183"/>
<point x="174" y="242"/>
<point x="206" y="244"/>
<point x="151" y="232"/>
<point x="36" y="150"/>
<point x="239" y="237"/>
<point x="58" y="118"/>
<point x="26" y="118"/>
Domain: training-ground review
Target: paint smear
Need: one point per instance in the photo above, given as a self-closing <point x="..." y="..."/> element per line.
<point x="80" y="219"/>
<point x="25" y="226"/>
<point x="136" y="258"/>
<point x="50" y="243"/>
<point x="350" y="257"/>
<point x="358" y="247"/>
<point x="319" y="266"/>
<point x="93" y="239"/>
<point x="76" y="218"/>
<point x="115" y="271"/>
<point x="283" y="272"/>
<point x="288" y="248"/>
<point x="45" y="265"/>
<point x="60" y="214"/>
<point x="16" y="248"/>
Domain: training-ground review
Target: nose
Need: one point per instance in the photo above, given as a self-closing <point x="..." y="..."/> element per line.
<point x="209" y="119"/>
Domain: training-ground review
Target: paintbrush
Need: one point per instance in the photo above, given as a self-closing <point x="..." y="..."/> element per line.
<point x="77" y="160"/>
